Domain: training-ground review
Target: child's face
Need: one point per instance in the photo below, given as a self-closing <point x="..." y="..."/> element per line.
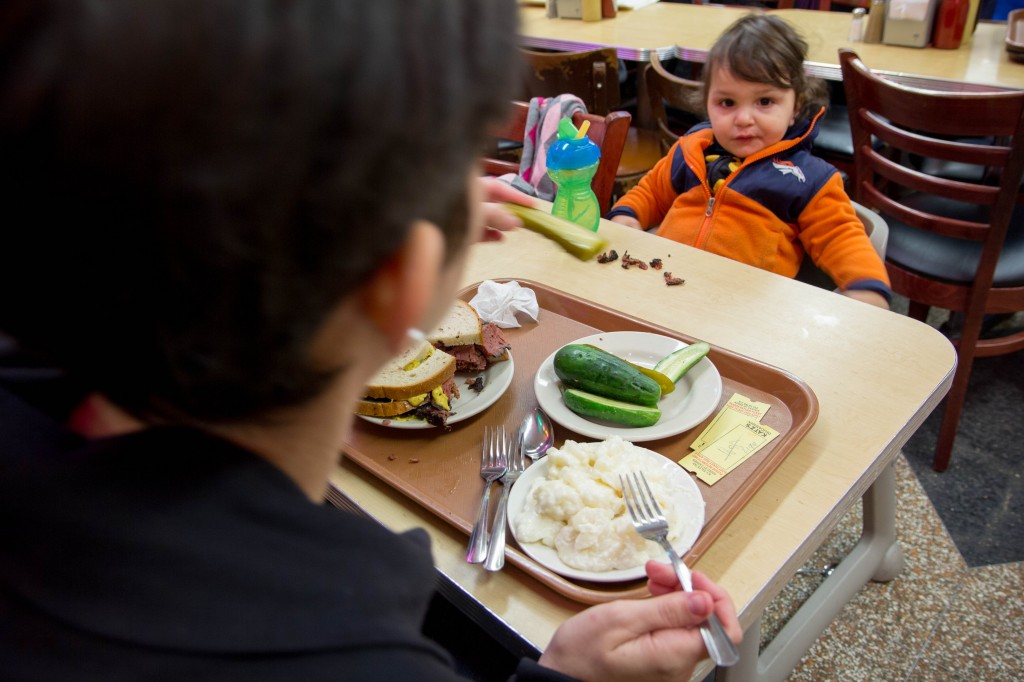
<point x="745" y="116"/>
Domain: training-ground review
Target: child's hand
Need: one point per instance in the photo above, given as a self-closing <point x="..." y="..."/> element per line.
<point x="628" y="222"/>
<point x="872" y="297"/>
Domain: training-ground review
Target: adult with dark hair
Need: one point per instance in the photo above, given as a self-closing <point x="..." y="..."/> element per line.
<point x="222" y="217"/>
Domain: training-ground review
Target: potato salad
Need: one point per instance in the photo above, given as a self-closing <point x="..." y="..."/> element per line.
<point x="578" y="509"/>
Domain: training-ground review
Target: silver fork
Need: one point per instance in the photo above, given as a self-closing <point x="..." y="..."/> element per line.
<point x="651" y="524"/>
<point x="516" y="466"/>
<point x="493" y="461"/>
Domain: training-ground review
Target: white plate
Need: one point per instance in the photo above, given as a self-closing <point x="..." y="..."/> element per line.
<point x="497" y="379"/>
<point x="696" y="396"/>
<point x="685" y="492"/>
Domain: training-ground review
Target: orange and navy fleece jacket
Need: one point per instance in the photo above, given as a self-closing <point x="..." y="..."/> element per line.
<point x="780" y="204"/>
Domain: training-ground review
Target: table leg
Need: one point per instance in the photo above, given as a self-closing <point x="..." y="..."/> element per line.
<point x="876" y="557"/>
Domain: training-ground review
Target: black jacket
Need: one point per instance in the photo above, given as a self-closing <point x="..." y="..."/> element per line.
<point x="171" y="554"/>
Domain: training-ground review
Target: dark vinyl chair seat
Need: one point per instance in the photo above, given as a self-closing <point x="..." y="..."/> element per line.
<point x="953" y="260"/>
<point x="834" y="138"/>
<point x="955" y="170"/>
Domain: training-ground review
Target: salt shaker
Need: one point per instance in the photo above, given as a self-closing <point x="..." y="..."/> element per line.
<point x="857" y="25"/>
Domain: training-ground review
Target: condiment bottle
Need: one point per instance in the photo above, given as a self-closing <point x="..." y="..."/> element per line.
<point x="572" y="161"/>
<point x="875" y="23"/>
<point x="591" y="10"/>
<point x="857" y="25"/>
<point x="950" y="21"/>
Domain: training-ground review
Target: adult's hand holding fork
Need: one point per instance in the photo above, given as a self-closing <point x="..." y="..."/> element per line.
<point x="654" y="639"/>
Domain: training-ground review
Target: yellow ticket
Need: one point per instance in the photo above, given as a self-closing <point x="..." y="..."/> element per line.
<point x="729" y="451"/>
<point x="734" y="413"/>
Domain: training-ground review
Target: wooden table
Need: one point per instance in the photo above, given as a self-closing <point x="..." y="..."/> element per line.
<point x="688" y="32"/>
<point x="876" y="374"/>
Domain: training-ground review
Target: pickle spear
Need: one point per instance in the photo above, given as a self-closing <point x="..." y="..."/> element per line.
<point x="577" y="240"/>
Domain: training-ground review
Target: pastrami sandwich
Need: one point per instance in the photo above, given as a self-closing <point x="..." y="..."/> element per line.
<point x="475" y="345"/>
<point x="418" y="384"/>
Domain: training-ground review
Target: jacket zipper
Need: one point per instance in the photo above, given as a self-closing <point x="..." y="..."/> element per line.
<point x="705" y="226"/>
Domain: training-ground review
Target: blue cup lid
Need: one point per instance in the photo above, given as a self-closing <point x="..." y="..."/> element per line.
<point x="570" y="153"/>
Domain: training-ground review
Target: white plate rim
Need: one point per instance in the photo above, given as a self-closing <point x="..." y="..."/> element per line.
<point x="497" y="379"/>
<point x="645" y="349"/>
<point x="548" y="556"/>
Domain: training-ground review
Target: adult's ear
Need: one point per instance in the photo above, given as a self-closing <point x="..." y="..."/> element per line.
<point x="399" y="294"/>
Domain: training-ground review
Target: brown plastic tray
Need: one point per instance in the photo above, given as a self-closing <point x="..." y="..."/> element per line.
<point x="440" y="468"/>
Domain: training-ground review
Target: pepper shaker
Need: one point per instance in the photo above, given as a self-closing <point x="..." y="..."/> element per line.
<point x="875" y="22"/>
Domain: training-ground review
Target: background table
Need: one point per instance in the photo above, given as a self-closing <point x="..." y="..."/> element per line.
<point x="980" y="63"/>
<point x="876" y="374"/>
<point x="688" y="32"/>
<point x="634" y="34"/>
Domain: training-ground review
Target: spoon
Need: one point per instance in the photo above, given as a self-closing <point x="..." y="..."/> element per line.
<point x="538" y="434"/>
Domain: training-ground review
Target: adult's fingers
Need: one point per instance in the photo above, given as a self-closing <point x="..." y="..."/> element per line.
<point x="496" y="190"/>
<point x="661" y="578"/>
<point x="723" y="605"/>
<point x="666" y="612"/>
<point x="497" y="217"/>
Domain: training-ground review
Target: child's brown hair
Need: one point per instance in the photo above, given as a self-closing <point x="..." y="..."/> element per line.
<point x="765" y="49"/>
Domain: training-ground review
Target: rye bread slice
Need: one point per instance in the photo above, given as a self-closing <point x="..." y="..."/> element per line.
<point x="460" y="327"/>
<point x="415" y="372"/>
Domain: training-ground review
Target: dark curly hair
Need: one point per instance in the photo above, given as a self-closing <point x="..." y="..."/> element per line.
<point x="763" y="48"/>
<point x="189" y="187"/>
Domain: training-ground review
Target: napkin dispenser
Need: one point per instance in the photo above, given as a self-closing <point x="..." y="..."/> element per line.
<point x="574" y="9"/>
<point x="568" y="9"/>
<point x="909" y="22"/>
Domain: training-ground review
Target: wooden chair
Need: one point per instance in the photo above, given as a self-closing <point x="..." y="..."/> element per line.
<point x="607" y="132"/>
<point x="593" y="76"/>
<point x="953" y="244"/>
<point x="666" y="89"/>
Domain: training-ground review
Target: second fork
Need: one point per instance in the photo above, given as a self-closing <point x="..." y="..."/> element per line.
<point x="493" y="461"/>
<point x="516" y="466"/>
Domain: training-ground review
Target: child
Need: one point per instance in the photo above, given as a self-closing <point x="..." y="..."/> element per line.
<point x="745" y="184"/>
<point x="222" y="216"/>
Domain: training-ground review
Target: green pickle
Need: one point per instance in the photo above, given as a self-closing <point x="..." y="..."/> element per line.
<point x="607" y="409"/>
<point x="676" y="364"/>
<point x="578" y="241"/>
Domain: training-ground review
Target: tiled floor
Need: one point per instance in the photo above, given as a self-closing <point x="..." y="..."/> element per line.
<point x="938" y="619"/>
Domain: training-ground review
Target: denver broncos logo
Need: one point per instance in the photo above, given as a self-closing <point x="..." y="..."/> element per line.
<point x="789" y="168"/>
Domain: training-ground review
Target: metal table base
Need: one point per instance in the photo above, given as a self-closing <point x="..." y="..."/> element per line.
<point x="876" y="557"/>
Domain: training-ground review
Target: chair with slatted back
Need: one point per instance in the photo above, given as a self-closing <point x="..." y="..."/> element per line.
<point x="953" y="244"/>
<point x="667" y="92"/>
<point x="593" y="76"/>
<point x="607" y="132"/>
